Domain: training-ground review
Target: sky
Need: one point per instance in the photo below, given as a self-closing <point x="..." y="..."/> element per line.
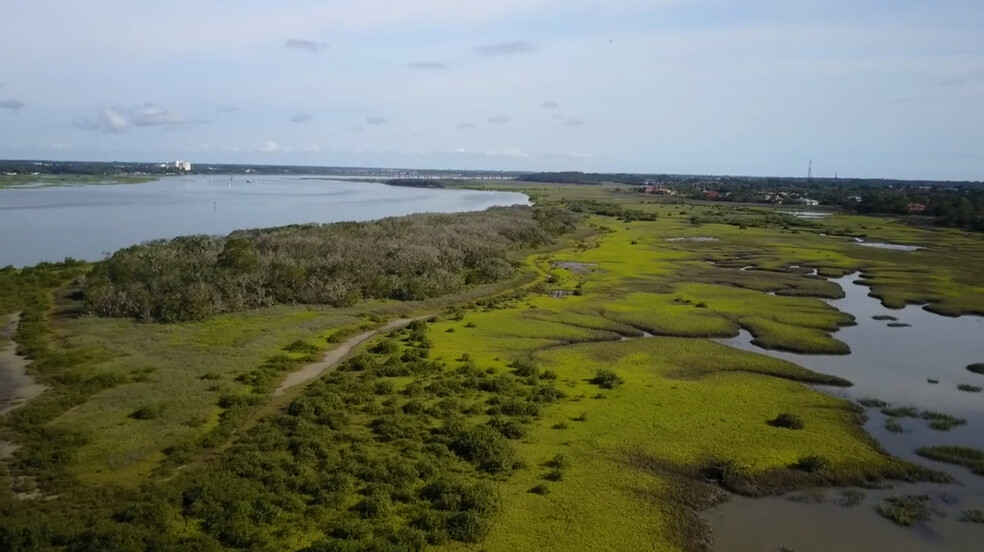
<point x="879" y="88"/>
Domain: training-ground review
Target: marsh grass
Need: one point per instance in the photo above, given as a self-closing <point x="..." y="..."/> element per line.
<point x="907" y="511"/>
<point x="962" y="456"/>
<point x="972" y="515"/>
<point x="851" y="498"/>
<point x="872" y="403"/>
<point x="892" y="425"/>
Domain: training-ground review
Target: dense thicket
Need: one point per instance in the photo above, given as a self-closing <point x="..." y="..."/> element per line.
<point x="363" y="461"/>
<point x="406" y="258"/>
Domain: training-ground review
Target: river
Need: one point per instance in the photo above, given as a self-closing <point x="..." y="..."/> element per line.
<point x="88" y="222"/>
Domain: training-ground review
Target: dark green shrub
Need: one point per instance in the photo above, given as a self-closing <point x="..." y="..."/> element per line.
<point x="554" y="475"/>
<point x="540" y="489"/>
<point x="977" y="368"/>
<point x="559" y="461"/>
<point x="787" y="421"/>
<point x="147" y="412"/>
<point x="607" y="379"/>
<point x="485" y="447"/>
<point x="811" y="464"/>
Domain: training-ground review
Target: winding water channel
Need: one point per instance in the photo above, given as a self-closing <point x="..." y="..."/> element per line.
<point x="893" y="364"/>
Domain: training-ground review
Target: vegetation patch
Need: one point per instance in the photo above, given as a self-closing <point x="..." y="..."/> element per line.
<point x="972" y="515"/>
<point x="961" y="456"/>
<point x="966" y="387"/>
<point x="977" y="368"/>
<point x="907" y="510"/>
<point x="787" y="421"/>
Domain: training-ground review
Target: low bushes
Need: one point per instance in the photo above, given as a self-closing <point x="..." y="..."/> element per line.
<point x="787" y="421"/>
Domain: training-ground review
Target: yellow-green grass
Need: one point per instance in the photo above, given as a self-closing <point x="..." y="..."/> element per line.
<point x="683" y="403"/>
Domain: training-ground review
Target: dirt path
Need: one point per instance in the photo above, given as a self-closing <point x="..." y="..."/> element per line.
<point x="332" y="357"/>
<point x="16" y="386"/>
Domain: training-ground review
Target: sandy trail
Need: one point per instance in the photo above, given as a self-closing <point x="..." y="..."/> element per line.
<point x="334" y="356"/>
<point x="17" y="387"/>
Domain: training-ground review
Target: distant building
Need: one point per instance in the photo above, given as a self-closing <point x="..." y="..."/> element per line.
<point x="916" y="208"/>
<point x="178" y="165"/>
<point x="809" y="202"/>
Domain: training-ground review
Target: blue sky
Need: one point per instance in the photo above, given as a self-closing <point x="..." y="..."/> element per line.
<point x="875" y="88"/>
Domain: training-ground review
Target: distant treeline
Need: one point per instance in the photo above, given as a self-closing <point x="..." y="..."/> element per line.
<point x="583" y="178"/>
<point x="739" y="185"/>
<point x="418" y="182"/>
<point x="956" y="209"/>
<point x="406" y="258"/>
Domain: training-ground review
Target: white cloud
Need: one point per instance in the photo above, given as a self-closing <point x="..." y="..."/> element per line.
<point x="500" y="119"/>
<point x="301" y="117"/>
<point x="550" y="104"/>
<point x="573" y="121"/>
<point x="270" y="147"/>
<point x="118" y="119"/>
<point x="373" y="120"/>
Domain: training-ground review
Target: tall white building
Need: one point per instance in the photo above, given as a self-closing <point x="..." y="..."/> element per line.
<point x="179" y="165"/>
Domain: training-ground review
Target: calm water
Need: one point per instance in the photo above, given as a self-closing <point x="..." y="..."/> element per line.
<point x="892" y="364"/>
<point x="86" y="222"/>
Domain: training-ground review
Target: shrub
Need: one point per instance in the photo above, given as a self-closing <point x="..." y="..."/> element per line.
<point x="376" y="505"/>
<point x="811" y="464"/>
<point x="540" y="489"/>
<point x="524" y="368"/>
<point x="302" y="347"/>
<point x="485" y="447"/>
<point x="970" y="388"/>
<point x="977" y="368"/>
<point x="510" y="429"/>
<point x="147" y="412"/>
<point x="554" y="475"/>
<point x="559" y="461"/>
<point x="607" y="379"/>
<point x="787" y="421"/>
